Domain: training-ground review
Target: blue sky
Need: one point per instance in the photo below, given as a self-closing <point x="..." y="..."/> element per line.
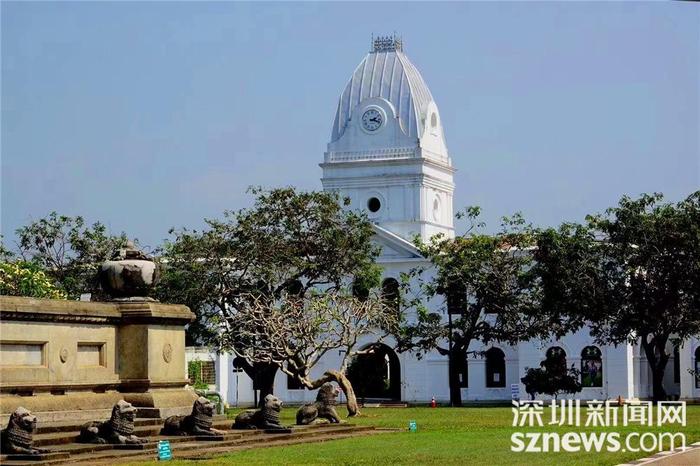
<point x="147" y="116"/>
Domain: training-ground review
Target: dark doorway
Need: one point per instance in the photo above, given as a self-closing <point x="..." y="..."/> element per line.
<point x="376" y="375"/>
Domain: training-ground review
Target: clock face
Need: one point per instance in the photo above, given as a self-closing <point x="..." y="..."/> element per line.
<point x="372" y="119"/>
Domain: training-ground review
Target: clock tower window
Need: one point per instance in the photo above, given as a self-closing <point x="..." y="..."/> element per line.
<point x="374" y="204"/>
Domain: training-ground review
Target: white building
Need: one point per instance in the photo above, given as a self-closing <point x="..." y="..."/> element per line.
<point x="388" y="154"/>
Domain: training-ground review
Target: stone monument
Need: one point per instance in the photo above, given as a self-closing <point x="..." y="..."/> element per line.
<point x="74" y="360"/>
<point x="268" y="417"/>
<point x="323" y="408"/>
<point x="119" y="429"/>
<point x="198" y="422"/>
<point x="18" y="436"/>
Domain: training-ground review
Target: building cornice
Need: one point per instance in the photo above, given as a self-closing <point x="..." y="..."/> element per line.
<point x="387" y="180"/>
<point x="390" y="162"/>
<point x="14" y="308"/>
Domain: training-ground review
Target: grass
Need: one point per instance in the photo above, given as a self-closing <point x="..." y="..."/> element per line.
<point x="474" y="436"/>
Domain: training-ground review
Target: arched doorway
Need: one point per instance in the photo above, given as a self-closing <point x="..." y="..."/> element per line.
<point x="376" y="375"/>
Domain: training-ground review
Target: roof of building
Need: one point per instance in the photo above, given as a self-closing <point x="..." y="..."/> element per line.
<point x="386" y="72"/>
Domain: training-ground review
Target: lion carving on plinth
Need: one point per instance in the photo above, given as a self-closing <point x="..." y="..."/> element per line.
<point x="17" y="438"/>
<point x="118" y="430"/>
<point x="268" y="417"/>
<point x="323" y="408"/>
<point x="197" y="423"/>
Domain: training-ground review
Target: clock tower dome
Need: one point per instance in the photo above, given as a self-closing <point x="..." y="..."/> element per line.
<point x="387" y="151"/>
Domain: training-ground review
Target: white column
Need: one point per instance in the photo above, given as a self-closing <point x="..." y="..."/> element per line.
<point x="477" y="378"/>
<point x="223" y="372"/>
<point x="618" y="371"/>
<point x="637" y="368"/>
<point x="687" y="362"/>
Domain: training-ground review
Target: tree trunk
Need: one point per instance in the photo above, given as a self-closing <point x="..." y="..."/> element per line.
<point x="453" y="376"/>
<point x="266" y="382"/>
<point x="263" y="377"/>
<point x="657" y="359"/>
<point x="657" y="376"/>
<point x="344" y="382"/>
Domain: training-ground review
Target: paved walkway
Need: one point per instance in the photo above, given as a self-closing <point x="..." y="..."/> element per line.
<point x="690" y="457"/>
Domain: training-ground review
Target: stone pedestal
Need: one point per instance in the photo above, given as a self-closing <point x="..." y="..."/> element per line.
<point x="72" y="359"/>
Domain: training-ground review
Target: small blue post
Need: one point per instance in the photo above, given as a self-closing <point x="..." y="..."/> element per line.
<point x="164" y="452"/>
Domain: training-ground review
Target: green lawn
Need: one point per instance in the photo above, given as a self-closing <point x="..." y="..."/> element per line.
<point x="478" y="436"/>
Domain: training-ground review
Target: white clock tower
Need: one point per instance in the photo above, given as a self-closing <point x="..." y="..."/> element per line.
<point x="387" y="151"/>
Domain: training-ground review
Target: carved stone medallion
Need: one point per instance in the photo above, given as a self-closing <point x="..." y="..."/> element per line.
<point x="167" y="352"/>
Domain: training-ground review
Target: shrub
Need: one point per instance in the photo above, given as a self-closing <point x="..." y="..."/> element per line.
<point x="27" y="279"/>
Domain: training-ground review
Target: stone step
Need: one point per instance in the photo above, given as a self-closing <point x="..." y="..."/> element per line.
<point x="198" y="450"/>
<point x="268" y="438"/>
<point x="35" y="459"/>
<point x="144" y="430"/>
<point x="67" y="426"/>
<point x="193" y="446"/>
<point x="57" y="434"/>
<point x="212" y="452"/>
<point x="153" y="413"/>
<point x="215" y="450"/>
<point x="70" y="426"/>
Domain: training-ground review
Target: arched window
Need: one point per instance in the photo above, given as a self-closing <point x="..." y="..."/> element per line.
<point x="390" y="294"/>
<point x="556" y="356"/>
<point x="697" y="367"/>
<point x="591" y="367"/>
<point x="495" y="368"/>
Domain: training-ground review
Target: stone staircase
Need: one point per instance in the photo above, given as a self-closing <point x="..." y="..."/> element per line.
<point x="60" y="438"/>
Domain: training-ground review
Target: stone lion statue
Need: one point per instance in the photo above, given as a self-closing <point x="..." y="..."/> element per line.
<point x="266" y="418"/>
<point x="17" y="438"/>
<point x="197" y="423"/>
<point x="119" y="429"/>
<point x="323" y="408"/>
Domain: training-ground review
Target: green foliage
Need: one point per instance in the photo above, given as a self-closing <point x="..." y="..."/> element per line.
<point x="631" y="274"/>
<point x="69" y="251"/>
<point x="194" y="372"/>
<point x="552" y="377"/>
<point x="485" y="283"/>
<point x="288" y="241"/>
<point x="477" y="274"/>
<point x="5" y="254"/>
<point x="27" y="279"/>
<point x="367" y="277"/>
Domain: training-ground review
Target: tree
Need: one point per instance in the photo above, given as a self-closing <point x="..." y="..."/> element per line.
<point x="552" y="377"/>
<point x="69" y="251"/>
<point x="631" y="274"/>
<point x="5" y="254"/>
<point x="288" y="242"/>
<point x="295" y="333"/>
<point x="27" y="279"/>
<point x="485" y="282"/>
